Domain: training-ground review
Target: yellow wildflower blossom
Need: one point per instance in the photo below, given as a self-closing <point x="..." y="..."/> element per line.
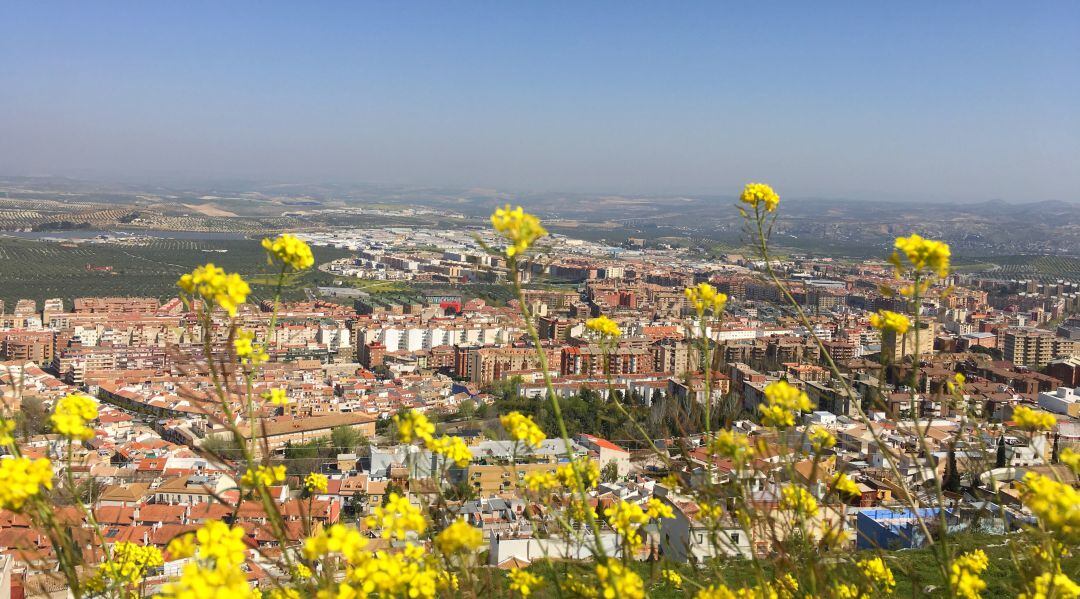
<point x="710" y="512"/>
<point x="1052" y="585"/>
<point x="540" y="481"/>
<point x="731" y="445"/>
<point x="518" y="227"/>
<point x="213" y="284"/>
<point x="1071" y="459"/>
<point x="877" y="574"/>
<point x="413" y="425"/>
<point x="756" y="194"/>
<point x="1056" y="505"/>
<point x="278" y="397"/>
<point x="263" y="476"/>
<point x="70" y="416"/>
<point x="247" y="350"/>
<point x="1033" y="420"/>
<point x="459" y="537"/>
<point x="23" y="478"/>
<point x="316" y="483"/>
<point x="798" y="500"/>
<point x="581" y="472"/>
<point x="843" y="485"/>
<point x="619" y="581"/>
<point x="126" y="567"/>
<point x="921" y="253"/>
<point x="7" y="427"/>
<point x="338" y="539"/>
<point x="718" y="591"/>
<point x="705" y="298"/>
<point x="821" y="439"/>
<point x="964" y="575"/>
<point x="290" y="251"/>
<point x="782" y="402"/>
<point x="655" y="508"/>
<point x="603" y="327"/>
<point x="522" y="428"/>
<point x="884" y="320"/>
<point x="182" y="546"/>
<point x="452" y="448"/>
<point x="397" y="518"/>
<point x="626" y="519"/>
<point x="220" y="543"/>
<point x="522" y="582"/>
<point x="672" y="577"/>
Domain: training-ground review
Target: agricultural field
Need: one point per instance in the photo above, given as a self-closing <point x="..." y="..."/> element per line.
<point x="1043" y="268"/>
<point x="39" y="270"/>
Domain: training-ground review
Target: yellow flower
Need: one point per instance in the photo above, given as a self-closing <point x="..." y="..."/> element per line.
<point x="710" y="512"/>
<point x="278" y="397"/>
<point x="719" y="591"/>
<point x="619" y="581"/>
<point x="540" y="481"/>
<point x="798" y="500"/>
<point x="760" y="193"/>
<point x="1056" y="505"/>
<point x="221" y="544"/>
<point x="1033" y="420"/>
<point x="821" y="439"/>
<point x="845" y="486"/>
<point x="397" y="518"/>
<point x="1056" y="585"/>
<point x="23" y="479"/>
<point x="459" y="537"/>
<point x="263" y="476"/>
<point x="603" y="327"/>
<point x="452" y="448"/>
<point x="782" y="401"/>
<point x="885" y="320"/>
<point x="522" y="582"/>
<point x="522" y="428"/>
<point x="921" y="253"/>
<point x="731" y="445"/>
<point x="877" y="574"/>
<point x="579" y="473"/>
<point x="413" y="425"/>
<point x="182" y="546"/>
<point x="964" y="575"/>
<point x="289" y="251"/>
<point x="197" y="581"/>
<point x="70" y="416"/>
<point x="704" y="297"/>
<point x="1071" y="459"/>
<point x="956" y="386"/>
<point x="126" y="567"/>
<point x="518" y="227"/>
<point x="7" y="427"/>
<point x="213" y="285"/>
<point x="626" y="519"/>
<point x="316" y="483"/>
<point x="658" y="509"/>
<point x="341" y="539"/>
<point x="672" y="577"/>
<point x="247" y="350"/>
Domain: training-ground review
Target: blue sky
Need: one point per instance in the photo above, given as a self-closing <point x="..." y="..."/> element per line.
<point x="863" y="100"/>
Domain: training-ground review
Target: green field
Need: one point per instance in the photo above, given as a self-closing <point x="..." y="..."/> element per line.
<point x="39" y="270"/>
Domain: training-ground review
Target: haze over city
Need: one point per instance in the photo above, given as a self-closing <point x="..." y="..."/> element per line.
<point x="924" y="101"/>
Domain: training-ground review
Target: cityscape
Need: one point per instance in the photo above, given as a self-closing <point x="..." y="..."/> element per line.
<point x="258" y="385"/>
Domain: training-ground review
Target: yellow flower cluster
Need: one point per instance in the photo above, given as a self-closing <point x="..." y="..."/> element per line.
<point x="263" y="476"/>
<point x="705" y="298"/>
<point x="522" y="582"/>
<point x="213" y="284"/>
<point x="843" y="485"/>
<point x="821" y="439"/>
<point x="413" y="425"/>
<point x="782" y="402"/>
<point x="1056" y="505"/>
<point x="921" y="254"/>
<point x="23" y="479"/>
<point x="784" y="587"/>
<point x="672" y="577"/>
<point x="1052" y="585"/>
<point x="411" y="573"/>
<point x="339" y="539"/>
<point x="603" y="327"/>
<point x="1033" y="420"/>
<point x="220" y="550"/>
<point x="732" y="445"/>
<point x="964" y="574"/>
<point x="7" y="427"/>
<point x="125" y="568"/>
<point x="756" y="194"/>
<point x="626" y="519"/>
<point x="247" y="350"/>
<point x="580" y="473"/>
<point x="452" y="448"/>
<point x="522" y="428"/>
<point x="289" y="251"/>
<point x="710" y="512"/>
<point x="884" y="320"/>
<point x="518" y="227"/>
<point x="877" y="574"/>
<point x="619" y="581"/>
<point x="181" y="546"/>
<point x="316" y="483"/>
<point x="459" y="537"/>
<point x="70" y="416"/>
<point x="1071" y="459"/>
<point x="278" y="397"/>
<point x="397" y="518"/>
<point x="798" y="500"/>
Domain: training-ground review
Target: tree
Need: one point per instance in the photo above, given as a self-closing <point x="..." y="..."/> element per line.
<point x="392" y="488"/>
<point x="610" y="472"/>
<point x="345" y="439"/>
<point x="467" y="409"/>
<point x="33" y="418"/>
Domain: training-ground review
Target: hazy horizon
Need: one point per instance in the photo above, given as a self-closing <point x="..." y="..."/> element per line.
<point x="926" y="102"/>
